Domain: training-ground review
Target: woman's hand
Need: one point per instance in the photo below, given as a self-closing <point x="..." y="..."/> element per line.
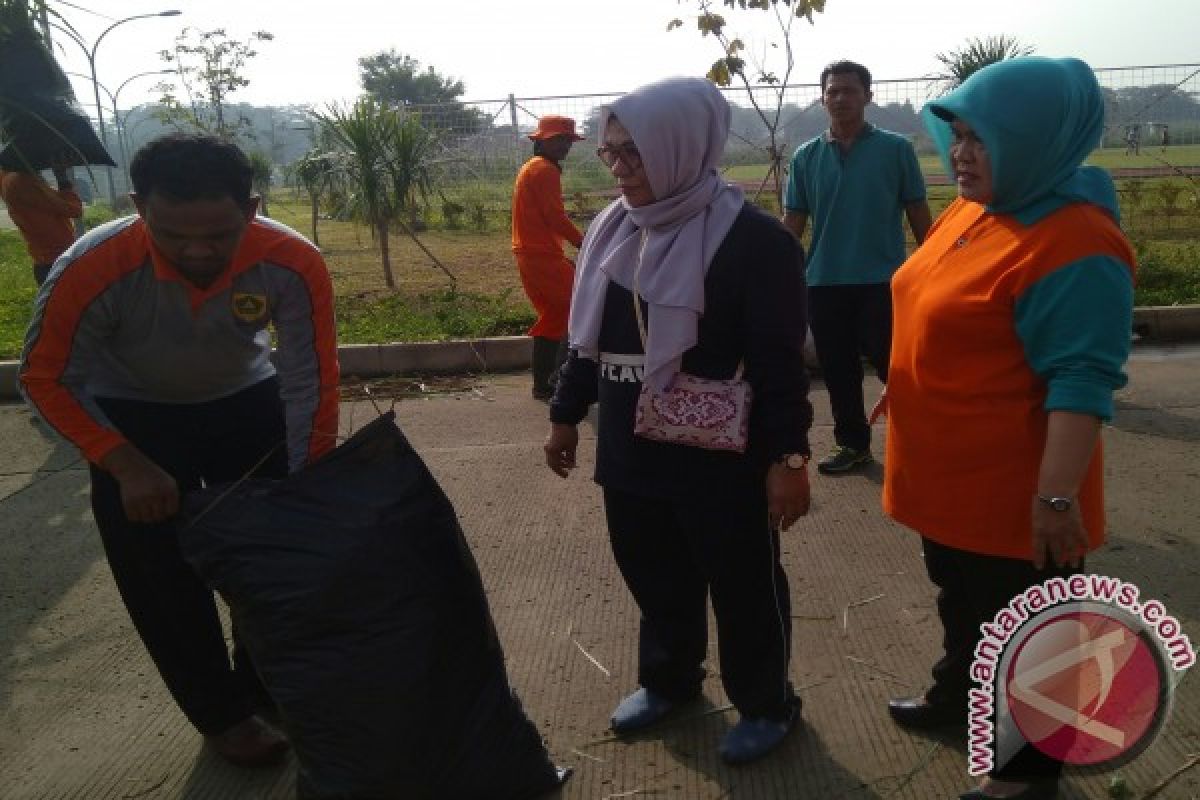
<point x="1059" y="535"/>
<point x="1070" y="440"/>
<point x="560" y="448"/>
<point x="787" y="495"/>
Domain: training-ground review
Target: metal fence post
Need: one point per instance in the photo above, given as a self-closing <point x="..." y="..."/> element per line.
<point x="512" y="111"/>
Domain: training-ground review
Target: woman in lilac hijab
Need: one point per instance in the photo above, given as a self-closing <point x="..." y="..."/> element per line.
<point x="721" y="284"/>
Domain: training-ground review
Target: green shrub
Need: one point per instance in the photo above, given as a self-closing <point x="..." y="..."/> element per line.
<point x="1168" y="274"/>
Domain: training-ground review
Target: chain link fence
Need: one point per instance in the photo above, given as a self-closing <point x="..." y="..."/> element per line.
<point x="1151" y="143"/>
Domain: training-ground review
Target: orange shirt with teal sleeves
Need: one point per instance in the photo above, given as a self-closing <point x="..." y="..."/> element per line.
<point x="539" y="220"/>
<point x="44" y="216"/>
<point x="997" y="323"/>
<point x="115" y="319"/>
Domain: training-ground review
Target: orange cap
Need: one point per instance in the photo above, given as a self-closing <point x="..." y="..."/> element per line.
<point x="553" y="125"/>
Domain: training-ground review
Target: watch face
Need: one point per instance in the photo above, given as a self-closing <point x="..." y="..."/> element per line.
<point x="1060" y="504"/>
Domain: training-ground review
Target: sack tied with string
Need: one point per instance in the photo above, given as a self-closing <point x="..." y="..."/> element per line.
<point x="354" y="591"/>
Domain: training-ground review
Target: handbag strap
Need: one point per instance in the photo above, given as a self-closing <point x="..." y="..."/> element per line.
<point x="637" y="303"/>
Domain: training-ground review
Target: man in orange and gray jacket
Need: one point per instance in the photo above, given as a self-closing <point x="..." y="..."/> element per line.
<point x="44" y="216"/>
<point x="149" y="350"/>
<point x="539" y="227"/>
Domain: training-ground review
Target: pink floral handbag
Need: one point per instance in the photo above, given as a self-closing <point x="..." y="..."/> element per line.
<point x="699" y="412"/>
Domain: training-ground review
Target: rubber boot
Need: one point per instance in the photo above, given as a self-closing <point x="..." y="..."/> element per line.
<point x="544" y="356"/>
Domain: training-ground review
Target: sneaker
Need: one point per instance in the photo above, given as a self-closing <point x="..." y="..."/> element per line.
<point x="844" y="459"/>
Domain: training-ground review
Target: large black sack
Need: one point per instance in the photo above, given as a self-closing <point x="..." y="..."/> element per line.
<point x="41" y="132"/>
<point x="40" y="121"/>
<point x="353" y="589"/>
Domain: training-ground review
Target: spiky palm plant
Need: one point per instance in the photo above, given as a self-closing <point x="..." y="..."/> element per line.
<point x="976" y="54"/>
<point x="361" y="135"/>
<point x="383" y="164"/>
<point x="314" y="171"/>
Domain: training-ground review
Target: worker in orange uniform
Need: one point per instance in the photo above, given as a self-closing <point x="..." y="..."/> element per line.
<point x="44" y="216"/>
<point x="539" y="226"/>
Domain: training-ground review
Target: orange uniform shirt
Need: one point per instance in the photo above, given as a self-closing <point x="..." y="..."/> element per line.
<point x="966" y="415"/>
<point x="43" y="215"/>
<point x="539" y="221"/>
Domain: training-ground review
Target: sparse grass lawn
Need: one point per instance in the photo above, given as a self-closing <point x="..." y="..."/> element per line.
<point x="16" y="293"/>
<point x="488" y="300"/>
<point x="1109" y="158"/>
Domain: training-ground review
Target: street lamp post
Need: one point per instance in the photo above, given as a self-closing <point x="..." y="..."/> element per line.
<point x="91" y="57"/>
<point x="121" y="137"/>
<point x="114" y="98"/>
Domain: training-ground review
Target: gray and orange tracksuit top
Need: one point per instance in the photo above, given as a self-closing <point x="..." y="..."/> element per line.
<point x="115" y="319"/>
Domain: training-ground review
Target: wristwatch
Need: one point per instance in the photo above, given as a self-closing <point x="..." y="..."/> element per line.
<point x="793" y="460"/>
<point x="1057" y="503"/>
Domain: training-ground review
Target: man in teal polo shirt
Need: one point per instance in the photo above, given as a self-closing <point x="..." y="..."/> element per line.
<point x="854" y="181"/>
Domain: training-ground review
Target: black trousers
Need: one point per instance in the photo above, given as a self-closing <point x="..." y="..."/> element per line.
<point x="674" y="555"/>
<point x="972" y="588"/>
<point x="173" y="611"/>
<point x="848" y="323"/>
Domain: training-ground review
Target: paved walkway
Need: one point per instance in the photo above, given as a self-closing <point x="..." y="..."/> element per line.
<point x="83" y="715"/>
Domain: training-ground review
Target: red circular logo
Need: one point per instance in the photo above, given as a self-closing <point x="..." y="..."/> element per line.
<point x="1087" y="689"/>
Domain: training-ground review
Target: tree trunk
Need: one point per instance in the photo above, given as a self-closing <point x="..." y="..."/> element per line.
<point x="315" y="214"/>
<point x="385" y="252"/>
<point x="426" y="251"/>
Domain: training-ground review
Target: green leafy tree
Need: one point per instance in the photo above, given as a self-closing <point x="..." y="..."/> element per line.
<point x="976" y="54"/>
<point x="383" y="166"/>
<point x="210" y="67"/>
<point x="397" y="80"/>
<point x="736" y="59"/>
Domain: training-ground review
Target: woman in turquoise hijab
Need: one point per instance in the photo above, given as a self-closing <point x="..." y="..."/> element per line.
<point x="1011" y="329"/>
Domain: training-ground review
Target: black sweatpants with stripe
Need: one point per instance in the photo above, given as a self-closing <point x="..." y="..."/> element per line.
<point x="174" y="613"/>
<point x="674" y="555"/>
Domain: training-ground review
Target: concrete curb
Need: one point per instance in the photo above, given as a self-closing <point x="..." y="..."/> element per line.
<point x="498" y="354"/>
<point x="1167" y="323"/>
<point x="510" y="353"/>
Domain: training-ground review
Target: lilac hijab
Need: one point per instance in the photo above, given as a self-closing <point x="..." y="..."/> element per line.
<point x="679" y="126"/>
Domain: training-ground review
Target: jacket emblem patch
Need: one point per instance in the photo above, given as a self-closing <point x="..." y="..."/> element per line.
<point x="249" y="307"/>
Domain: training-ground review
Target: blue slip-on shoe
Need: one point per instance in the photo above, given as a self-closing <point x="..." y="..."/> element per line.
<point x="751" y="739"/>
<point x="640" y="710"/>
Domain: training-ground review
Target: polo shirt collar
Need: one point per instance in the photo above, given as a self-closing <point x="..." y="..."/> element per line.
<point x="867" y="130"/>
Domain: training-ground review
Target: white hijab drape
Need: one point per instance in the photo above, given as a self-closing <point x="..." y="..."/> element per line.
<point x="679" y="126"/>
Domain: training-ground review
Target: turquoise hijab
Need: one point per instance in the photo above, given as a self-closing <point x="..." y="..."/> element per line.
<point x="1039" y="118"/>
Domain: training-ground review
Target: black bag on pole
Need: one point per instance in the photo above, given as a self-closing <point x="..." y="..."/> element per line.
<point x="40" y="120"/>
<point x="352" y="587"/>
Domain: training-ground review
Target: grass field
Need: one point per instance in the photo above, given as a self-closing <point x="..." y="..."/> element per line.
<point x="487" y="300"/>
<point x="1109" y="158"/>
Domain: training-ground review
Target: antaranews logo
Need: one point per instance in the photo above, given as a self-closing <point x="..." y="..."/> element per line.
<point x="1078" y="668"/>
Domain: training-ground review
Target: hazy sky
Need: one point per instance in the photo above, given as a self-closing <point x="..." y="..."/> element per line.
<point x="555" y="47"/>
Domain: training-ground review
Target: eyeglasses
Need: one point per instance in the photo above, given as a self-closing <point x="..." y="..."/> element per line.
<point x="627" y="153"/>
